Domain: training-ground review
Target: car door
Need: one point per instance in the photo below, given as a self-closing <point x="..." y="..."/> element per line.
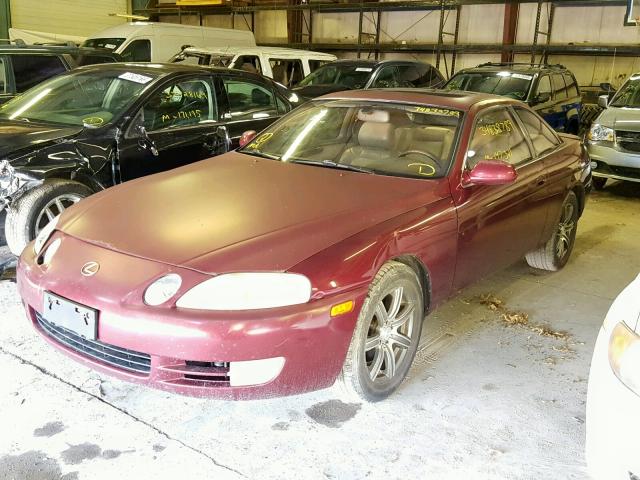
<point x="547" y="147"/>
<point x="498" y="224"/>
<point x="561" y="102"/>
<point x="176" y="125"/>
<point x="543" y="102"/>
<point x="248" y="103"/>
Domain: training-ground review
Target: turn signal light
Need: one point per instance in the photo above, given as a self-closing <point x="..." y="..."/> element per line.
<point x="342" y="308"/>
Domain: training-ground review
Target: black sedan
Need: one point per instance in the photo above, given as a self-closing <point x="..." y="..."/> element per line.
<point x="101" y="125"/>
<point x="361" y="74"/>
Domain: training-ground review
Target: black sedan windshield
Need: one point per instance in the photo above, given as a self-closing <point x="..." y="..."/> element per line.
<point x="514" y="85"/>
<point x="349" y="76"/>
<point x="629" y="94"/>
<point x="83" y="98"/>
<point x="386" y="139"/>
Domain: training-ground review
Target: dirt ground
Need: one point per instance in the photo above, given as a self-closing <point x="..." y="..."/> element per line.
<point x="497" y="391"/>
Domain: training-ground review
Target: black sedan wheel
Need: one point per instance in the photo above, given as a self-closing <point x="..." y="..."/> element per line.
<point x="599" y="182"/>
<point x="386" y="337"/>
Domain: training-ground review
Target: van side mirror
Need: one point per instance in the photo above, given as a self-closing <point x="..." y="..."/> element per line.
<point x="603" y="101"/>
<point x="247" y="137"/>
<point x="489" y="172"/>
<point x="607" y="87"/>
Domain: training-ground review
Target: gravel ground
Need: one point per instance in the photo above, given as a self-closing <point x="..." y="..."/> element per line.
<point x="497" y="391"/>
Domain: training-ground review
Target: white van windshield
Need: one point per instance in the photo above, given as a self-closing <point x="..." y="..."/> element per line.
<point x="108" y="43"/>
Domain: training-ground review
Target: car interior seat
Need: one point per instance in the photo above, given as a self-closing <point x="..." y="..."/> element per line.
<point x="375" y="145"/>
<point x="435" y="141"/>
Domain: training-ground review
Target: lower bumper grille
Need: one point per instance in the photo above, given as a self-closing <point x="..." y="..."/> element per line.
<point x="122" y="358"/>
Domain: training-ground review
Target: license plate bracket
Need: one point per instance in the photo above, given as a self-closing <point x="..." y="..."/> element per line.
<point x="73" y="316"/>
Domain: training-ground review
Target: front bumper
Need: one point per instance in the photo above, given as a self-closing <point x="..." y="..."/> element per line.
<point x="611" y="161"/>
<point x="186" y="351"/>
<point x="612" y="422"/>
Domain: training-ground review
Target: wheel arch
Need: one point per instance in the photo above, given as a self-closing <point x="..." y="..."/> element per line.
<point x="581" y="196"/>
<point x="422" y="271"/>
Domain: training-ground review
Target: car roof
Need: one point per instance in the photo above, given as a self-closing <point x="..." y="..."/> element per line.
<point x="516" y="67"/>
<point x="56" y="49"/>
<point x="164" y="69"/>
<point x="256" y="50"/>
<point x="373" y="63"/>
<point x="454" y="99"/>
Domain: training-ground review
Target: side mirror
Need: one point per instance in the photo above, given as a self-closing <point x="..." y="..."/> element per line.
<point x="490" y="172"/>
<point x="607" y="87"/>
<point x="603" y="101"/>
<point x="146" y="141"/>
<point x="247" y="137"/>
<point x="543" y="97"/>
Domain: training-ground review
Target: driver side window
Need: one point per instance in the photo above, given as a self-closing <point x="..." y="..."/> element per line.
<point x="387" y="78"/>
<point x="544" y="87"/>
<point x="181" y="104"/>
<point x="496" y="136"/>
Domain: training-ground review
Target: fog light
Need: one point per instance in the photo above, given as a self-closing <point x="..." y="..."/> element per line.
<point x="254" y="372"/>
<point x="51" y="251"/>
<point x="162" y="289"/>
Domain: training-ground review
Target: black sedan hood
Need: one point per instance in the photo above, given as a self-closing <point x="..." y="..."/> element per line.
<point x="19" y="137"/>
<point x="313" y="91"/>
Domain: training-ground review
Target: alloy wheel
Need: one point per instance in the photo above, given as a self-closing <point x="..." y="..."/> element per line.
<point x="390" y="334"/>
<point x="564" y="236"/>
<point x="54" y="208"/>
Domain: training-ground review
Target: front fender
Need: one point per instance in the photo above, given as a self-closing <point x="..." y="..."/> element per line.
<point x="427" y="234"/>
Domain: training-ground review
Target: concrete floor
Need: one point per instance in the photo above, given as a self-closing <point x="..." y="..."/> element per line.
<point x="486" y="399"/>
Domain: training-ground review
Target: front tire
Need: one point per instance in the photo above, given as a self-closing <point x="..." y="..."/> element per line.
<point x="31" y="212"/>
<point x="387" y="334"/>
<point x="556" y="252"/>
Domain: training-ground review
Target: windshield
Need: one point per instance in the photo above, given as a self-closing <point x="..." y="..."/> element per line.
<point x="108" y="43"/>
<point x="83" y="98"/>
<point x="398" y="140"/>
<point x="347" y="76"/>
<point x="513" y="85"/>
<point x="628" y="95"/>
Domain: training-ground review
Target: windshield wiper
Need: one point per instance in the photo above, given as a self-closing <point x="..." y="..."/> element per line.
<point x="332" y="164"/>
<point x="256" y="153"/>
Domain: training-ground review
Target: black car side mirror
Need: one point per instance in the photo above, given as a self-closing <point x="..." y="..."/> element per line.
<point x="146" y="141"/>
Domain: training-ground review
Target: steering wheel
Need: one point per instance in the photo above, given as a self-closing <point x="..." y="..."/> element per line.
<point x="424" y="154"/>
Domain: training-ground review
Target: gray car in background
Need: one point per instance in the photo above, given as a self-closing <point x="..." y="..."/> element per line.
<point x="613" y="141"/>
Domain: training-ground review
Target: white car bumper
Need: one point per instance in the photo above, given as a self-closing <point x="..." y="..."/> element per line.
<point x="613" y="421"/>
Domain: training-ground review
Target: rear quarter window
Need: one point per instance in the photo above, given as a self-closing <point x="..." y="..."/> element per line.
<point x="572" y="86"/>
<point x="559" y="87"/>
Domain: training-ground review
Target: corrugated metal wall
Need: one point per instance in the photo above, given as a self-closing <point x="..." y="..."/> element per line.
<point x="72" y="17"/>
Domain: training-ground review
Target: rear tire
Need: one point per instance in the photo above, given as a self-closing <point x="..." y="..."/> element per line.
<point x="387" y="334"/>
<point x="27" y="215"/>
<point x="556" y="252"/>
<point x="599" y="182"/>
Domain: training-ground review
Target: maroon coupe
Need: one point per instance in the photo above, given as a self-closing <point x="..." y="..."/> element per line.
<point x="311" y="254"/>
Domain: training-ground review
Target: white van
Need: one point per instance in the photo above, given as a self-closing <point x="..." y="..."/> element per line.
<point x="285" y="65"/>
<point x="158" y="42"/>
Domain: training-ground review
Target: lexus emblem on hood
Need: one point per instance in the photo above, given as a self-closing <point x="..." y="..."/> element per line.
<point x="89" y="269"/>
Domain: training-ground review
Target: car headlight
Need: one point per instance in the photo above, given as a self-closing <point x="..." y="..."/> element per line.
<point x="599" y="133"/>
<point x="624" y="356"/>
<point x="248" y="291"/>
<point x="7" y="174"/>
<point x="44" y="235"/>
<point x="162" y="289"/>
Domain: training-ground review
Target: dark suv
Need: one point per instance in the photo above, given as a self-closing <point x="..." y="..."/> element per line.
<point x="358" y="74"/>
<point x="551" y="90"/>
<point x="24" y="66"/>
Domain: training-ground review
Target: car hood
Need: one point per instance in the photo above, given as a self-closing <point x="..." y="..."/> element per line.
<point x="18" y="137"/>
<point x="238" y="213"/>
<point x="620" y="118"/>
<point x="313" y="91"/>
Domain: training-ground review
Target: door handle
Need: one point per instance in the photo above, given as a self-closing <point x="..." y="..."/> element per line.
<point x="541" y="181"/>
